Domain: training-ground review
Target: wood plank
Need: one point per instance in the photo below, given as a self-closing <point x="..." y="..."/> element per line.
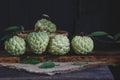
<point x="106" y="56"/>
<point x="10" y="59"/>
<point x="94" y="53"/>
<point x="109" y="59"/>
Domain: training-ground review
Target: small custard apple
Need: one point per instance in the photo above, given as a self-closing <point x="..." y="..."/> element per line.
<point x="82" y="44"/>
<point x="37" y="42"/>
<point x="59" y="45"/>
<point x="45" y="25"/>
<point x="15" y="45"/>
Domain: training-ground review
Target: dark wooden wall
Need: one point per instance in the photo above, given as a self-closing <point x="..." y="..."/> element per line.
<point x="74" y="16"/>
<point x="27" y="12"/>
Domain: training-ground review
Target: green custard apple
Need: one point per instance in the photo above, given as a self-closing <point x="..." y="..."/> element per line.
<point x="45" y="25"/>
<point x="59" y="45"/>
<point x="37" y="42"/>
<point x="82" y="44"/>
<point x="15" y="45"/>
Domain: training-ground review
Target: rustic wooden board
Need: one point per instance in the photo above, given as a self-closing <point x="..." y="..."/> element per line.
<point x="60" y="67"/>
<point x="10" y="59"/>
<point x="109" y="59"/>
<point x="106" y="56"/>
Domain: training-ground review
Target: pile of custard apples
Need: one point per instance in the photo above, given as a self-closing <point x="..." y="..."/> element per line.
<point x="39" y="41"/>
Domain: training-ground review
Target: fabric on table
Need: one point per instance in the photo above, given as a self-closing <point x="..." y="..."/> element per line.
<point x="95" y="73"/>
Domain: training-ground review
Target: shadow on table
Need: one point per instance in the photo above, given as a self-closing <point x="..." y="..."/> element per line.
<point x="115" y="71"/>
<point x="95" y="73"/>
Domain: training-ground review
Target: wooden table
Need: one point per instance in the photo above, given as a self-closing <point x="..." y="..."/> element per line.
<point x="97" y="73"/>
<point x="112" y="56"/>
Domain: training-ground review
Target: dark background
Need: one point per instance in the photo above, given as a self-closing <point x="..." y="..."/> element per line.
<point x="74" y="16"/>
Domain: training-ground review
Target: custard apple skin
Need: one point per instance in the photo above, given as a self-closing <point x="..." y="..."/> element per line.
<point x="82" y="44"/>
<point x="59" y="45"/>
<point x="37" y="42"/>
<point x="45" y="25"/>
<point x="15" y="46"/>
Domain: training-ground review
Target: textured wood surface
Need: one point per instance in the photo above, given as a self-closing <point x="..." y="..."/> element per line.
<point x="10" y="59"/>
<point x="25" y="33"/>
<point x="106" y="56"/>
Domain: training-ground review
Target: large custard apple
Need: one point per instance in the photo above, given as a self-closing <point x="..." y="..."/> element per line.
<point x="59" y="45"/>
<point x="45" y="26"/>
<point x="15" y="45"/>
<point x="82" y="44"/>
<point x="38" y="41"/>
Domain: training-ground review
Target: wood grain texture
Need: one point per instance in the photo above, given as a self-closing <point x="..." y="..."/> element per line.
<point x="9" y="59"/>
<point x="106" y="56"/>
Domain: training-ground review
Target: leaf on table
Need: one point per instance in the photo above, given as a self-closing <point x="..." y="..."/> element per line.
<point x="47" y="65"/>
<point x="30" y="61"/>
<point x="79" y="63"/>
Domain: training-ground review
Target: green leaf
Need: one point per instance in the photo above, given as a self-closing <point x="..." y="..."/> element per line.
<point x="7" y="36"/>
<point x="98" y="33"/>
<point x="101" y="33"/>
<point x="79" y="63"/>
<point x="22" y="28"/>
<point x="118" y="41"/>
<point x="30" y="61"/>
<point x="117" y="36"/>
<point x="12" y="28"/>
<point x="111" y="37"/>
<point x="47" y="65"/>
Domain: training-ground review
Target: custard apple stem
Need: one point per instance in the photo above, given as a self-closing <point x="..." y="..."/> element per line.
<point x="83" y="34"/>
<point x="46" y="16"/>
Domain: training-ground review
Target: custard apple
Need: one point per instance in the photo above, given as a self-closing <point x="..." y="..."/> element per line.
<point x="15" y="45"/>
<point x="38" y="41"/>
<point x="45" y="26"/>
<point x="59" y="45"/>
<point x="82" y="44"/>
